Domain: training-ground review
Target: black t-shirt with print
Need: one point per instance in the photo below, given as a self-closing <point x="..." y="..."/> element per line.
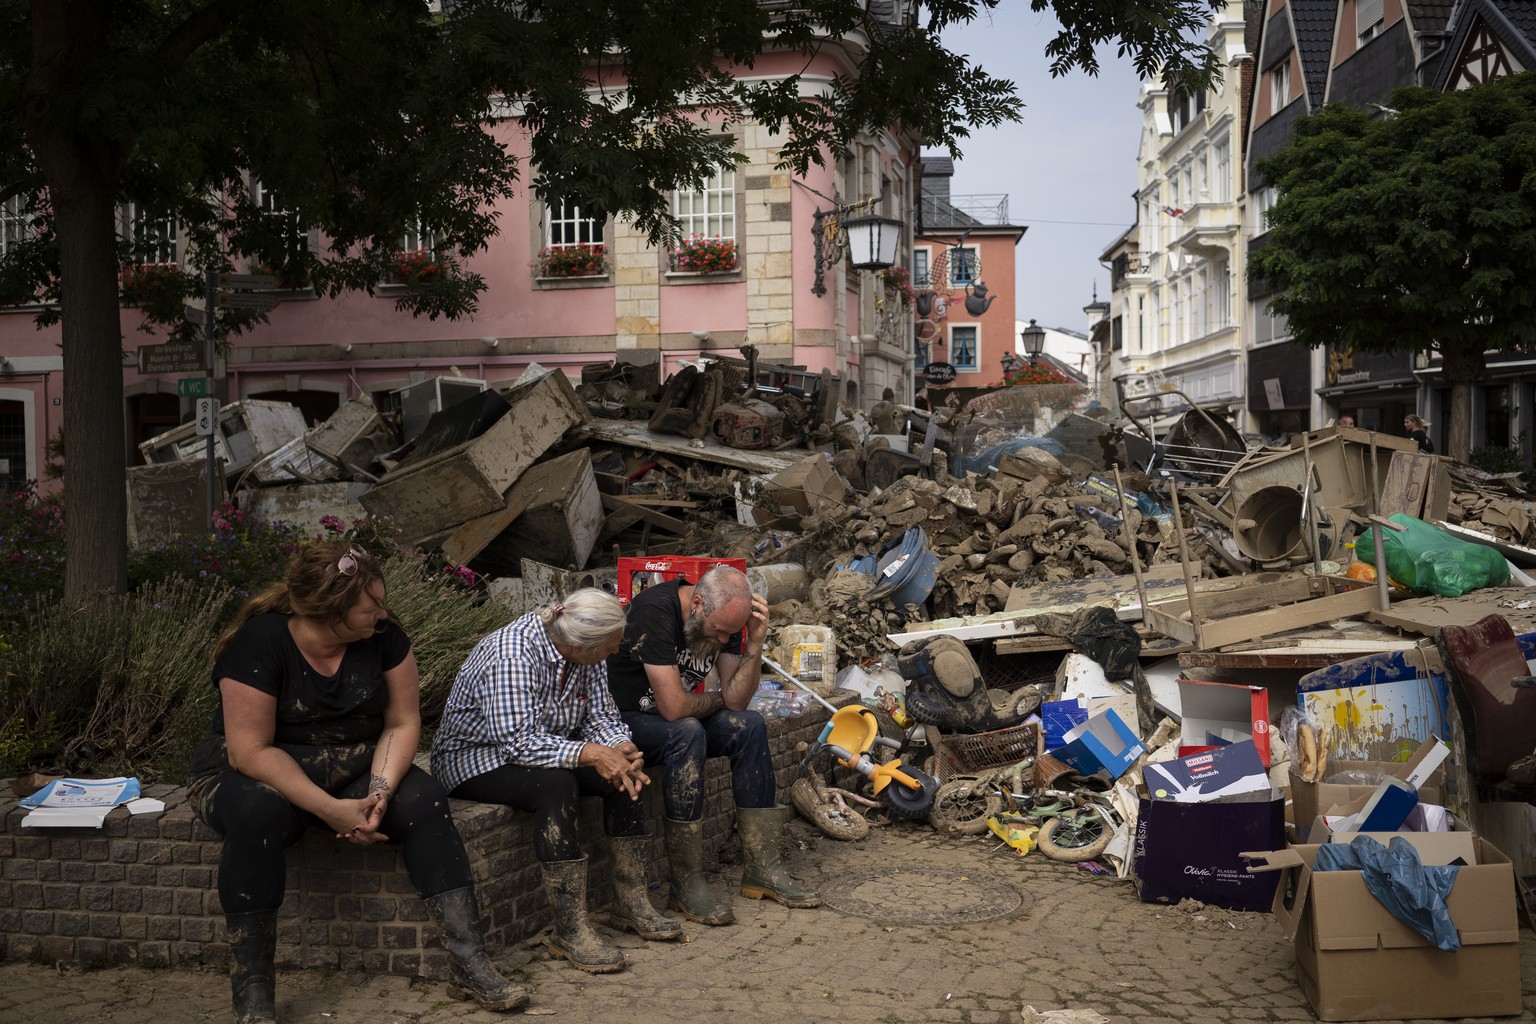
<point x="653" y="635"/>
<point x="315" y="713"/>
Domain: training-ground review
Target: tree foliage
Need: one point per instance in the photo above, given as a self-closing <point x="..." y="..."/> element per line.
<point x="1412" y="230"/>
<point x="366" y="119"/>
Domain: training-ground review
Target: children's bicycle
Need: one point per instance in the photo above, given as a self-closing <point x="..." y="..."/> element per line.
<point x="1075" y="825"/>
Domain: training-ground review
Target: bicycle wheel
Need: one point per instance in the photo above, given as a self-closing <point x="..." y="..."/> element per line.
<point x="830" y="820"/>
<point x="962" y="806"/>
<point x="911" y="803"/>
<point x="1075" y="836"/>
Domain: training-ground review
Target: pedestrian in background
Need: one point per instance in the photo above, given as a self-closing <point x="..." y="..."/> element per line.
<point x="1417" y="427"/>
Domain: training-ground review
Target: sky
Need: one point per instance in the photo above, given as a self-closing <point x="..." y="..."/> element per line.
<point x="1068" y="168"/>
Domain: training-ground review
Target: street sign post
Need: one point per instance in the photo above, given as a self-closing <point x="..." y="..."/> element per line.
<point x="172" y="357"/>
<point x="247" y="282"/>
<point x="247" y="300"/>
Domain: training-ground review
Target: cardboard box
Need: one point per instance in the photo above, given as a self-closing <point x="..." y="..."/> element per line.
<point x="1195" y="851"/>
<point x="806" y="487"/>
<point x="1227" y="712"/>
<point x="1310" y="799"/>
<point x="1103" y="742"/>
<point x="1211" y="775"/>
<point x="1355" y="961"/>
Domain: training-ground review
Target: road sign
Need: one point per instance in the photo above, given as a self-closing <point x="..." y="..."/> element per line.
<point x="247" y="300"/>
<point x="192" y="387"/>
<point x="172" y="357"/>
<point x="207" y="416"/>
<point x="248" y="282"/>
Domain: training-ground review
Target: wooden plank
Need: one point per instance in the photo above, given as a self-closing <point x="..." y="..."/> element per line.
<point x="616" y="503"/>
<point x="1263" y="659"/>
<point x="1104" y="590"/>
<point x="1403" y="490"/>
<point x="566" y="476"/>
<point x="704" y="449"/>
<point x="1215" y="514"/>
<point x="1423" y="616"/>
<point x="1437" y="495"/>
<point x="1277" y="620"/>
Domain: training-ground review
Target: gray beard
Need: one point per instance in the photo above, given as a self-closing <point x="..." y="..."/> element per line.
<point x="701" y="647"/>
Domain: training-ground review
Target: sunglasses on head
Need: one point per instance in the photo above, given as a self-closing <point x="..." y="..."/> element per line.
<point x="347" y="563"/>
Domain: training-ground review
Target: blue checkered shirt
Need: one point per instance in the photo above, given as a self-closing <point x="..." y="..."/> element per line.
<point x="517" y="701"/>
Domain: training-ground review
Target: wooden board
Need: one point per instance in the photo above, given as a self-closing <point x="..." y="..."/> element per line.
<point x="1313" y="604"/>
<point x="1422" y="616"/>
<point x="564" y="478"/>
<point x="1407" y="479"/>
<point x="704" y="449"/>
<point x="1114" y="591"/>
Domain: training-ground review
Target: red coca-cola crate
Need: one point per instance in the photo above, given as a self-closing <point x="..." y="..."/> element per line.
<point x="667" y="568"/>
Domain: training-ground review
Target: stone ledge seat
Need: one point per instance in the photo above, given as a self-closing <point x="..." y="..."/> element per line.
<point x="143" y="888"/>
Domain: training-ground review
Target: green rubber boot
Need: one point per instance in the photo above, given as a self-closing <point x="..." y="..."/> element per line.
<point x="691" y="894"/>
<point x="632" y="907"/>
<point x="764" y="876"/>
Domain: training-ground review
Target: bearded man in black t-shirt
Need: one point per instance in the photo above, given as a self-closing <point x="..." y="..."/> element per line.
<point x="676" y="633"/>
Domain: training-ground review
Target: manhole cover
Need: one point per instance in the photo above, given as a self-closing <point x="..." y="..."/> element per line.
<point x="915" y="896"/>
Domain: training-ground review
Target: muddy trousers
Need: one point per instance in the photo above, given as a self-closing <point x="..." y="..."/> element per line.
<point x="550" y="795"/>
<point x="257" y="822"/>
<point x="682" y="746"/>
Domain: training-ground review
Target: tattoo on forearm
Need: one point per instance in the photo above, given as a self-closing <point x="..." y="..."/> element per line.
<point x="702" y="705"/>
<point x="380" y="780"/>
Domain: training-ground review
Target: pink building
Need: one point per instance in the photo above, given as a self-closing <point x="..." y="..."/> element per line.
<point x="770" y="282"/>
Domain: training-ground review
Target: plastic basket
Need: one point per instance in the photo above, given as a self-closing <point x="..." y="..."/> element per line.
<point x="961" y="754"/>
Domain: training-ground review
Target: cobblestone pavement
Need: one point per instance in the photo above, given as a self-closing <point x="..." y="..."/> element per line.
<point x="1015" y="932"/>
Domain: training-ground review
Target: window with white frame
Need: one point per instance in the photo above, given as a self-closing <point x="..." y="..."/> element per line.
<point x="15" y="223"/>
<point x="1221" y="170"/>
<point x="964" y="265"/>
<point x="1178" y="332"/>
<point x="285" y="222"/>
<point x="920" y="267"/>
<point x="1141" y="323"/>
<point x="1280" y="85"/>
<point x="151" y="234"/>
<point x="1368" y="18"/>
<point x="418" y="236"/>
<point x="964" y="346"/>
<point x="564" y="225"/>
<point x="1202" y="175"/>
<point x="711" y="211"/>
<point x="1263" y="202"/>
<point x="1220" y="295"/>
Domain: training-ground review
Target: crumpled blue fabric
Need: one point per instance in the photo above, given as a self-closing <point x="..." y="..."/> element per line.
<point x="1411" y="892"/>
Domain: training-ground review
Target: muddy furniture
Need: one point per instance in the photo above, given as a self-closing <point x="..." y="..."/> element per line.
<point x="1495" y="692"/>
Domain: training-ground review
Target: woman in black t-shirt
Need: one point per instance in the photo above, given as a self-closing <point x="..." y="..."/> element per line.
<point x="318" y="721"/>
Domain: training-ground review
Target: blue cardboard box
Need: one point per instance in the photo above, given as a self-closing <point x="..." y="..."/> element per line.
<point x="1104" y="741"/>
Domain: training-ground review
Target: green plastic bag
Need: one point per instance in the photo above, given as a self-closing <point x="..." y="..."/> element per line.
<point x="1429" y="560"/>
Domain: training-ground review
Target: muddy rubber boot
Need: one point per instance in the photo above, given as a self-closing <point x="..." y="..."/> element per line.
<point x="632" y="908"/>
<point x="252" y="970"/>
<point x="764" y="876"/>
<point x="691" y="894"/>
<point x="471" y="975"/>
<point x="565" y="882"/>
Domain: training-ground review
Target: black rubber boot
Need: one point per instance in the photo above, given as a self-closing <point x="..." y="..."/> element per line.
<point x="252" y="973"/>
<point x="764" y="876"/>
<point x="471" y="975"/>
<point x="565" y="882"/>
<point x="691" y="894"/>
<point x="632" y="907"/>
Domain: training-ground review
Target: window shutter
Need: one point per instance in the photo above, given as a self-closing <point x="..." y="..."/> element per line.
<point x="1367" y="14"/>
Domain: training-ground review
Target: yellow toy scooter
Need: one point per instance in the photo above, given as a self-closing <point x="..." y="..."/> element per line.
<point x="849" y="736"/>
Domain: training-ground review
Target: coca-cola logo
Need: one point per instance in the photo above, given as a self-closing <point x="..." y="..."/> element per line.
<point x="659" y="566"/>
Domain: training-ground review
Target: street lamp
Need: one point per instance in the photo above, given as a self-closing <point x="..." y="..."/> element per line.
<point x="1033" y="338"/>
<point x="872" y="241"/>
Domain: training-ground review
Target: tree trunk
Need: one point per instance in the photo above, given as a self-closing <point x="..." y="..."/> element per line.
<point x="1463" y="365"/>
<point x="80" y="165"/>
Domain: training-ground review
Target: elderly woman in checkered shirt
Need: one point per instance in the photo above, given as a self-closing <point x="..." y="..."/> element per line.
<point x="531" y="724"/>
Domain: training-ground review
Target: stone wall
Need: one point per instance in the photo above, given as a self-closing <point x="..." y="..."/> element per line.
<point x="144" y="888"/>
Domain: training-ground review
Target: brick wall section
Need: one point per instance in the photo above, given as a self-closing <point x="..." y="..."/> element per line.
<point x="144" y="888"/>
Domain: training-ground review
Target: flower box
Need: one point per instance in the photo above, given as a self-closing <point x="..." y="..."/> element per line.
<point x="583" y="260"/>
<point x="144" y="282"/>
<point x="699" y="254"/>
<point x="418" y="266"/>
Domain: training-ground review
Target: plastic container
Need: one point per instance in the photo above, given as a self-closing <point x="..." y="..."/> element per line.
<point x="779" y="703"/>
